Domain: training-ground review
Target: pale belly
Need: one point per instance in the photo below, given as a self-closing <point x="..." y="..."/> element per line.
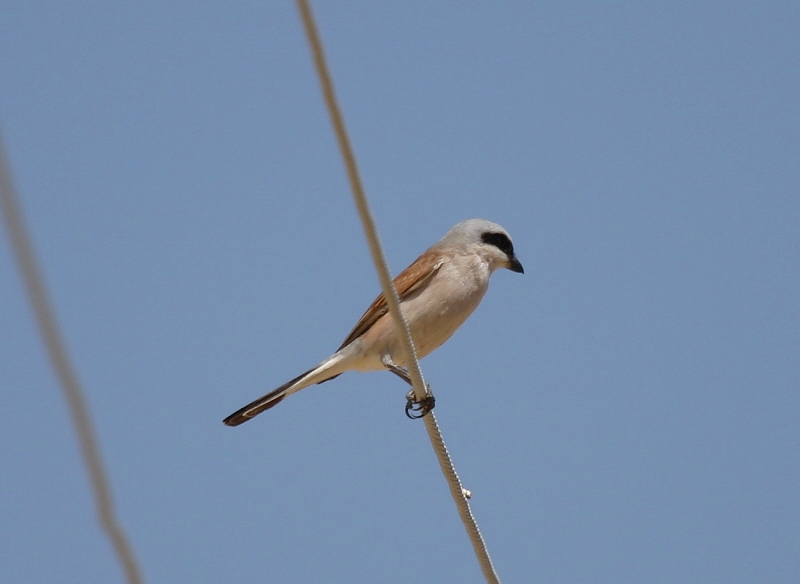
<point x="433" y="318"/>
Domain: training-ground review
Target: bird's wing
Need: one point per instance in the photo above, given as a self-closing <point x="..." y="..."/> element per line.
<point x="413" y="278"/>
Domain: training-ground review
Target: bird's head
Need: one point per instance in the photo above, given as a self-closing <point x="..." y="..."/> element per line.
<point x="488" y="240"/>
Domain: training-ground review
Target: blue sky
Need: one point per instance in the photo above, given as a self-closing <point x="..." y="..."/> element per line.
<point x="626" y="411"/>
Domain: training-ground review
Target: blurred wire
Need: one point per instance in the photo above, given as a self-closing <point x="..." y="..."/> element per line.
<point x="48" y="329"/>
<point x="389" y="291"/>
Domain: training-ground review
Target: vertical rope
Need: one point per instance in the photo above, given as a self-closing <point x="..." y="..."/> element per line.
<point x="460" y="498"/>
<point x="378" y="257"/>
<point x="392" y="299"/>
<point x="68" y="380"/>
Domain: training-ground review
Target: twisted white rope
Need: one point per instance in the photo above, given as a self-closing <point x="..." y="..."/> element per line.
<point x="392" y="299"/>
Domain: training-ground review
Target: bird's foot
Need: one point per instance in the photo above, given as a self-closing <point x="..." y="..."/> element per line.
<point x="419" y="409"/>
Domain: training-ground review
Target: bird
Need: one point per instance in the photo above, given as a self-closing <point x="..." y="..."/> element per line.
<point x="438" y="291"/>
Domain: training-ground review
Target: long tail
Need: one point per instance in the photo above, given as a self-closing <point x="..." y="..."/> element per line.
<point x="318" y="374"/>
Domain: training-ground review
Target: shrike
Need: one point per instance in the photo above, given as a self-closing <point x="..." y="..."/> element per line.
<point x="437" y="294"/>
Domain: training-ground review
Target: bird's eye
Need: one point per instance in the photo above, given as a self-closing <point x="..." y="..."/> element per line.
<point x="500" y="241"/>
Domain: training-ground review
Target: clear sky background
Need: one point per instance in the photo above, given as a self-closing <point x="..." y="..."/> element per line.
<point x="627" y="411"/>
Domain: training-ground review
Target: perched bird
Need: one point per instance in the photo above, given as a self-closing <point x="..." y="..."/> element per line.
<point x="438" y="291"/>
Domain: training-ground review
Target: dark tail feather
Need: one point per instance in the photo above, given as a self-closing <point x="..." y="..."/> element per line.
<point x="265" y="402"/>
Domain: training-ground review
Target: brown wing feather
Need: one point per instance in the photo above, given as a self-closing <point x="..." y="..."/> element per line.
<point x="414" y="277"/>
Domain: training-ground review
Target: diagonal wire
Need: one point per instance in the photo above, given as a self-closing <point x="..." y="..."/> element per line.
<point x="48" y="329"/>
<point x="392" y="299"/>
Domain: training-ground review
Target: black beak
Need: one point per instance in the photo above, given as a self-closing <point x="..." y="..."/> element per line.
<point x="515" y="266"/>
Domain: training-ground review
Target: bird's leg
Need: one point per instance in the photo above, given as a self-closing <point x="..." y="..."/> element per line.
<point x="401" y="372"/>
<point x="414" y="409"/>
